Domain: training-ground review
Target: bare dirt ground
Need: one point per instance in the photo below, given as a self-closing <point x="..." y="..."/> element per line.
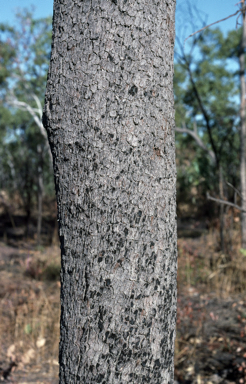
<point x="211" y="338"/>
<point x="211" y="319"/>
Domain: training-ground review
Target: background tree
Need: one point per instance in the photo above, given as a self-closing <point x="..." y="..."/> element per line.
<point x="25" y="155"/>
<point x="109" y="116"/>
<point x="207" y="109"/>
<point x="237" y="50"/>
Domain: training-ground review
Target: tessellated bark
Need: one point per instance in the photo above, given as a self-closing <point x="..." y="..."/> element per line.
<point x="109" y="115"/>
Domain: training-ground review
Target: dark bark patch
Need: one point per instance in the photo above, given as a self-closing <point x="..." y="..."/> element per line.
<point x="100" y="325"/>
<point x="138" y="217"/>
<point x="151" y="93"/>
<point x="157" y="152"/>
<point x="95" y="166"/>
<point x="157" y="363"/>
<point x="171" y="336"/>
<point x="110" y="57"/>
<point x="133" y="90"/>
<point x="100" y="378"/>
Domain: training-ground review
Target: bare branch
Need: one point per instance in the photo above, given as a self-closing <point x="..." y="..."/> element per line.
<point x="196" y="137"/>
<point x="220" y="201"/>
<point x="33" y="112"/>
<point x="26" y="107"/>
<point x="207" y="26"/>
<point x="40" y="109"/>
<point x="235" y="189"/>
<point x="203" y="110"/>
<point x="195" y="127"/>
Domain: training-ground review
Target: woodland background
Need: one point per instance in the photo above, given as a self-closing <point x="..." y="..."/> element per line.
<point x="211" y="323"/>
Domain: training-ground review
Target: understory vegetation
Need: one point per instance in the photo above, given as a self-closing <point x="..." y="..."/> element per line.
<point x="211" y="319"/>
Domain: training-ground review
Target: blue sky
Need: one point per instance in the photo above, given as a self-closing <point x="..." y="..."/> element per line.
<point x="212" y="9"/>
<point x="43" y="8"/>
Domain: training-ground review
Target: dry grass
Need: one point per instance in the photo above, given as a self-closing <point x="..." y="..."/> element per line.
<point x="30" y="297"/>
<point x="202" y="264"/>
<point x="30" y="310"/>
<point x="211" y="318"/>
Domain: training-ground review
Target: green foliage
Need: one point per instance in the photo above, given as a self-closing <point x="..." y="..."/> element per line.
<point x="243" y="251"/>
<point x="7" y="55"/>
<point x="24" y="59"/>
<point x="206" y="88"/>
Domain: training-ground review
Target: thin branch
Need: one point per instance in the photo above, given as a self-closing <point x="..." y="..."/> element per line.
<point x="195" y="136"/>
<point x="195" y="127"/>
<point x="235" y="189"/>
<point x="40" y="109"/>
<point x="207" y="26"/>
<point x="33" y="112"/>
<point x="220" y="201"/>
<point x="26" y="107"/>
<point x="204" y="112"/>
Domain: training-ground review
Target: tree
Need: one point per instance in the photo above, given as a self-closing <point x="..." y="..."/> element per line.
<point x="207" y="95"/>
<point x="109" y="115"/>
<point x="232" y="47"/>
<point x="235" y="46"/>
<point x="206" y="90"/>
<point x="24" y="150"/>
<point x="241" y="57"/>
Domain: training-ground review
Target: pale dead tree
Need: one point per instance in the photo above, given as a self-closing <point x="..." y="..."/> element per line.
<point x="195" y="135"/>
<point x="36" y="114"/>
<point x="109" y="114"/>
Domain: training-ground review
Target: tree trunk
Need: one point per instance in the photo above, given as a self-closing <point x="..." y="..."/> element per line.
<point x="243" y="131"/>
<point x="222" y="219"/>
<point x="40" y="193"/>
<point x="109" y="114"/>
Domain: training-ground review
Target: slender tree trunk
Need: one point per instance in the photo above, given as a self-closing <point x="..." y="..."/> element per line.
<point x="40" y="193"/>
<point x="109" y="114"/>
<point x="222" y="219"/>
<point x="243" y="131"/>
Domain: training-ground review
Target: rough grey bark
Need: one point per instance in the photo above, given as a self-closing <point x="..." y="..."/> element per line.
<point x="109" y="114"/>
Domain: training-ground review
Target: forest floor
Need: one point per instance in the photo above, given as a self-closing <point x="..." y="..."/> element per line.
<point x="211" y="314"/>
<point x="211" y="318"/>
